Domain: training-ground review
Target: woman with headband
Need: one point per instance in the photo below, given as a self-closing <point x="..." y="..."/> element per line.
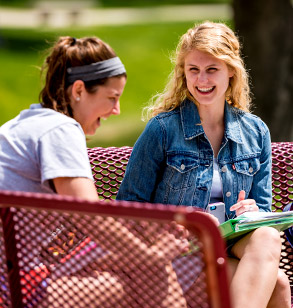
<point x="84" y="82"/>
<point x="44" y="149"/>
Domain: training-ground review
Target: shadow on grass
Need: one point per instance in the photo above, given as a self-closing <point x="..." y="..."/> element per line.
<point x="25" y="40"/>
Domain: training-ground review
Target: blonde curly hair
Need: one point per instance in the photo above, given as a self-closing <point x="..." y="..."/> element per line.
<point x="218" y="40"/>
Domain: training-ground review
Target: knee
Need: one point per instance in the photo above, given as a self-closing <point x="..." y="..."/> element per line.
<point x="281" y="296"/>
<point x="268" y="237"/>
<point x="268" y="242"/>
<point x="283" y="283"/>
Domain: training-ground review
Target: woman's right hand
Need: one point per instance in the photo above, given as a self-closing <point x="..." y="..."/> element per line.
<point x="170" y="244"/>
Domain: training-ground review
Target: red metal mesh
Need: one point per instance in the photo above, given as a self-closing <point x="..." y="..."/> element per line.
<point x="108" y="166"/>
<point x="67" y="260"/>
<point x="282" y="174"/>
<point x="62" y="262"/>
<point x="4" y="286"/>
<point x="282" y="153"/>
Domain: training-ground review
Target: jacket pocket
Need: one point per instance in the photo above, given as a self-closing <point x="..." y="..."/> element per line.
<point x="248" y="166"/>
<point x="181" y="170"/>
<point x="245" y="170"/>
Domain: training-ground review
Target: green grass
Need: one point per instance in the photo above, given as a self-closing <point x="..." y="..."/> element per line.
<point x="144" y="49"/>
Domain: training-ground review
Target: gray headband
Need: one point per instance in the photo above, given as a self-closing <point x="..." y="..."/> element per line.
<point x="99" y="70"/>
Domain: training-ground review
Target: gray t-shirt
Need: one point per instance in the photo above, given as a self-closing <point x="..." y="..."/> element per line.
<point x="38" y="145"/>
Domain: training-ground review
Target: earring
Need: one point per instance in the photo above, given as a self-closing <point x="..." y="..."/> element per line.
<point x="77" y="98"/>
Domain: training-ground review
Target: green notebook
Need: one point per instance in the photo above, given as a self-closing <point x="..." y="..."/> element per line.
<point x="249" y="221"/>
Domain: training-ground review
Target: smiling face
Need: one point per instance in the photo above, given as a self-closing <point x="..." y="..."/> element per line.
<point x="90" y="108"/>
<point x="207" y="77"/>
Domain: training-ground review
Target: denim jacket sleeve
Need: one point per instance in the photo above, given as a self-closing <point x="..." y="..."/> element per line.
<point x="143" y="168"/>
<point x="261" y="190"/>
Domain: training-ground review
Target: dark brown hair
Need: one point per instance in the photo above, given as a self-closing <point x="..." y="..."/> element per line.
<point x="70" y="52"/>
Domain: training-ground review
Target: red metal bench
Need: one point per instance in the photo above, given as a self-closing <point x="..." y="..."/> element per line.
<point x="50" y="253"/>
<point x="283" y="194"/>
<point x="29" y="220"/>
<point x="109" y="164"/>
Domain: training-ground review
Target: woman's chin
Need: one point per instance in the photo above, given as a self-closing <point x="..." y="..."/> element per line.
<point x="92" y="131"/>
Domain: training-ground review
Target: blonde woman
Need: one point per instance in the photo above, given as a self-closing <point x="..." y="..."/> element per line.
<point x="202" y="145"/>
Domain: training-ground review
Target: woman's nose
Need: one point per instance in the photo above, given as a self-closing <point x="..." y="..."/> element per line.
<point x="116" y="108"/>
<point x="202" y="77"/>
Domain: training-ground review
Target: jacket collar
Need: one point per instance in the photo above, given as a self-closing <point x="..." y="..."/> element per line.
<point x="192" y="127"/>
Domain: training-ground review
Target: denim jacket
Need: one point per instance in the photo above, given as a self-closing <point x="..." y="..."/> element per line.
<point x="172" y="161"/>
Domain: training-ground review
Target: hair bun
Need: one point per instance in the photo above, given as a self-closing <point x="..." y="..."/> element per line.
<point x="73" y="41"/>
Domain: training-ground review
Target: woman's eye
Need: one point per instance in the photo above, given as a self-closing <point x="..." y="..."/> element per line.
<point x="212" y="69"/>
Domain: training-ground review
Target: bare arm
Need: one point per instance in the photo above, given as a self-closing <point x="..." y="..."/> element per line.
<point x="166" y="247"/>
<point x="76" y="187"/>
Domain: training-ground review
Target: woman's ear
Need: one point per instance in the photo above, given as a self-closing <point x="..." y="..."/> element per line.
<point x="231" y="72"/>
<point x="77" y="89"/>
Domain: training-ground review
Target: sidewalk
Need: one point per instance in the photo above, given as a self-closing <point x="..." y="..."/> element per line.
<point x="59" y="17"/>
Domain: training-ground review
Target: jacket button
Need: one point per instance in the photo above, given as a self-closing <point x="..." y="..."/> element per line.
<point x="228" y="194"/>
<point x="224" y="169"/>
<point x="250" y="169"/>
<point x="182" y="167"/>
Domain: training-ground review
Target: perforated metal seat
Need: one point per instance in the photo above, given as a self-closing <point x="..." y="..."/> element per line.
<point x="51" y="251"/>
<point x="109" y="165"/>
<point x="63" y="252"/>
<point x="282" y="182"/>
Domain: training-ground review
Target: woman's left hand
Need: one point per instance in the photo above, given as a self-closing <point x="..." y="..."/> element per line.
<point x="244" y="205"/>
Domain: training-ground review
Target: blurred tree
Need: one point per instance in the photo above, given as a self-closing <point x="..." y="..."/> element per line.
<point x="265" y="28"/>
<point x="16" y="3"/>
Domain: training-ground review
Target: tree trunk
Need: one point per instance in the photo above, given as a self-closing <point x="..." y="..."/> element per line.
<point x="265" y="30"/>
